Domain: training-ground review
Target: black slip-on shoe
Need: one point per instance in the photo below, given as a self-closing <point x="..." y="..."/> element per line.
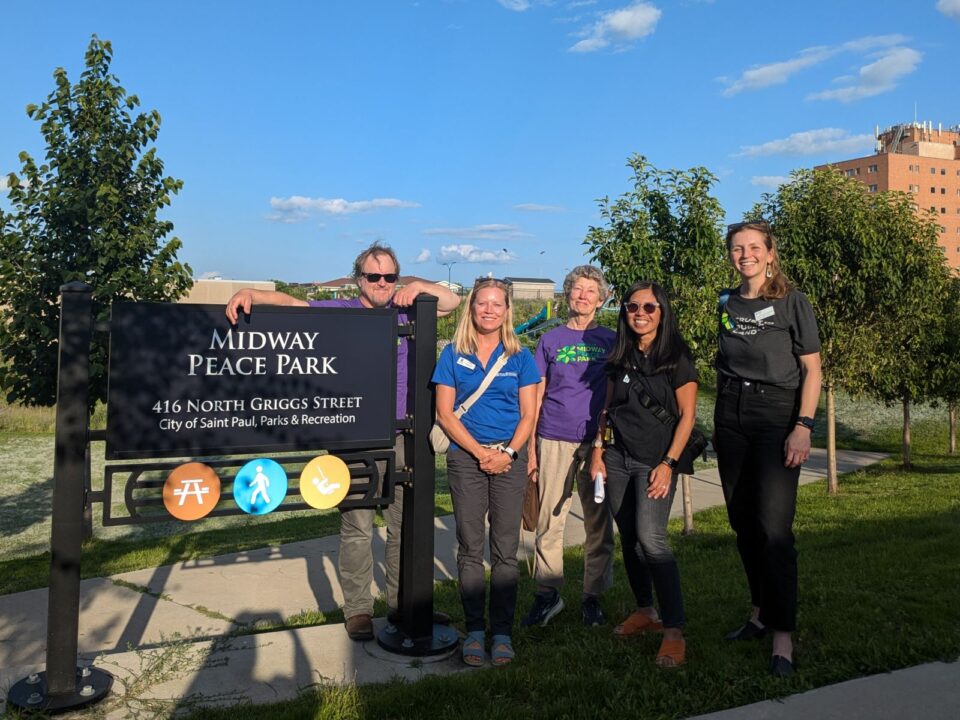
<point x="780" y="666"/>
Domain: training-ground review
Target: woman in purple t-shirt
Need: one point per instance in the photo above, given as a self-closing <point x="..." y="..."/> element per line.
<point x="571" y="360"/>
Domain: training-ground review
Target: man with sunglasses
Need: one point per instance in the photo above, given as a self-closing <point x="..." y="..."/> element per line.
<point x="376" y="271"/>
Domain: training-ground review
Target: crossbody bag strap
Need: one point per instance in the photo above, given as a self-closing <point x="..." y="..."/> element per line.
<point x="487" y="379"/>
<point x="650" y="403"/>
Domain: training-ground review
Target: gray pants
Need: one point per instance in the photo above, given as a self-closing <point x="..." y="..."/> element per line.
<point x="356" y="550"/>
<point x="475" y="495"/>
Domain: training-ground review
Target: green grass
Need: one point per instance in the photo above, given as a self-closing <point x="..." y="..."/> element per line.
<point x="879" y="572"/>
<point x="152" y="545"/>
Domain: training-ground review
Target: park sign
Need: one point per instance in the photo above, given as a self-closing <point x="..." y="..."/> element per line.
<point x="184" y="382"/>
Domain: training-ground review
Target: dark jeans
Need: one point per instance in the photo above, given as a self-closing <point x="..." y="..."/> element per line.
<point x="475" y="495"/>
<point x="752" y="422"/>
<point x="642" y="521"/>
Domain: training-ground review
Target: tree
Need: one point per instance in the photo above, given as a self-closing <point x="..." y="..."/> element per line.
<point x="945" y="370"/>
<point x="89" y="212"/>
<point x="669" y="229"/>
<point x="910" y="330"/>
<point x="826" y="245"/>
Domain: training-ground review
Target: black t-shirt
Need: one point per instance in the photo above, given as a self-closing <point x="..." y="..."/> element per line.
<point x="761" y="340"/>
<point x="636" y="429"/>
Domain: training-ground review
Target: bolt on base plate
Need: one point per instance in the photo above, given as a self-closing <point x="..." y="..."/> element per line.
<point x="93" y="685"/>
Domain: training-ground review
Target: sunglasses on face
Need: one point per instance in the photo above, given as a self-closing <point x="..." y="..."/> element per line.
<point x="648" y="307"/>
<point x="375" y="277"/>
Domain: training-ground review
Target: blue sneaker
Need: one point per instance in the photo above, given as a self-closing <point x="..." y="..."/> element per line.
<point x="545" y="608"/>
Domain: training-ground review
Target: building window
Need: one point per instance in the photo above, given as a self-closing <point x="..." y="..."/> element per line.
<point x="933" y="171"/>
<point x="853" y="171"/>
<point x="942" y="229"/>
<point x="943" y="171"/>
<point x="933" y="190"/>
<point x="933" y="208"/>
<point x="916" y="188"/>
<point x="943" y="191"/>
<point x="872" y="169"/>
<point x="873" y="188"/>
<point x="943" y="211"/>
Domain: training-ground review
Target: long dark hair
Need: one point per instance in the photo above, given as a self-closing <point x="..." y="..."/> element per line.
<point x="667" y="346"/>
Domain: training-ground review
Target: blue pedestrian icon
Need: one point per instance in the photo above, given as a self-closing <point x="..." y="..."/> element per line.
<point x="260" y="486"/>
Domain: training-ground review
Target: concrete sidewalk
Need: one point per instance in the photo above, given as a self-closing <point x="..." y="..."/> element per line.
<point x="168" y="633"/>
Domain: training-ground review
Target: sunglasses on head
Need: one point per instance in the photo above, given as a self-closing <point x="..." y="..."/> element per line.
<point x="648" y="307"/>
<point x="734" y="227"/>
<point x="375" y="277"/>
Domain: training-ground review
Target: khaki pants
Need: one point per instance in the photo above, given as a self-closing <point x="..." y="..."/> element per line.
<point x="355" y="564"/>
<point x="556" y="459"/>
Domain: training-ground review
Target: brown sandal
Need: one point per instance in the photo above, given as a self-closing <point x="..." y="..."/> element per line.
<point x="637" y="624"/>
<point x="673" y="653"/>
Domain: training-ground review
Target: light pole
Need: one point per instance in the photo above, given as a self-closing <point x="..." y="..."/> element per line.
<point x="449" y="265"/>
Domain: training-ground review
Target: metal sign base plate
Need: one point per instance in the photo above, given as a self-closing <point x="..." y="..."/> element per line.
<point x="30" y="694"/>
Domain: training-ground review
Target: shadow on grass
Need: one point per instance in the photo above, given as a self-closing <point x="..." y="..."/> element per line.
<point x="31" y="506"/>
<point x="878" y="579"/>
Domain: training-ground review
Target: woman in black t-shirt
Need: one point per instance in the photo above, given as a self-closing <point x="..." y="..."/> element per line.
<point x="768" y="374"/>
<point x="651" y="405"/>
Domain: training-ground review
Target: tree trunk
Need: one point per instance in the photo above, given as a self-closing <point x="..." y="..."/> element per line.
<point x="832" y="484"/>
<point x="687" y="505"/>
<point x="906" y="434"/>
<point x="952" y="447"/>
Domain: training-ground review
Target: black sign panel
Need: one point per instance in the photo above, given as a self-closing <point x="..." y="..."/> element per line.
<point x="183" y="381"/>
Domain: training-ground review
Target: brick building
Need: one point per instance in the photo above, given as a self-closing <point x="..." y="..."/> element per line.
<point x="923" y="161"/>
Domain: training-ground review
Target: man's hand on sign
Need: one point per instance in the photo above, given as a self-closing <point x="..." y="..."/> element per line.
<point x="244" y="300"/>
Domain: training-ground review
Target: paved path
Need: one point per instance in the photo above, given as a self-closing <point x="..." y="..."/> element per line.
<point x="179" y="616"/>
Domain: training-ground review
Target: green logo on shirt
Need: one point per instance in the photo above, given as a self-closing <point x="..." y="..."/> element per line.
<point x="580" y="352"/>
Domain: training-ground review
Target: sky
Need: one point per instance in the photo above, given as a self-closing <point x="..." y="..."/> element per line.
<point x="477" y="133"/>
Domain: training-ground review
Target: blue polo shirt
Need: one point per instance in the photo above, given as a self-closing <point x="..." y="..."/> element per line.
<point x="494" y="417"/>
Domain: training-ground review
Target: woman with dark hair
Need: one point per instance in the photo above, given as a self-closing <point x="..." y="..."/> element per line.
<point x="651" y="407"/>
<point x="768" y="376"/>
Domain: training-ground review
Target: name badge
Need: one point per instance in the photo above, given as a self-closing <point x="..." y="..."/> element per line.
<point x="763" y="314"/>
<point x="466" y="363"/>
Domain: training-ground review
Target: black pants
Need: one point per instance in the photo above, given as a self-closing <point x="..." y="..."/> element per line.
<point x="752" y="422"/>
<point x="642" y="521"/>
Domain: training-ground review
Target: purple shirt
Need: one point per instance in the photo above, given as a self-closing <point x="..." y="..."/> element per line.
<point x="402" y="347"/>
<point x="574" y="365"/>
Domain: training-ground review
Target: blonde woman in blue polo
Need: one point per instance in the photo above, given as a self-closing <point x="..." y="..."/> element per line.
<point x="486" y="463"/>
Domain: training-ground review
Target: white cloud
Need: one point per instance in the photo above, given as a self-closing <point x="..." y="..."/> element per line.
<point x="298" y="208"/>
<point x="536" y="207"/>
<point x="515" y="5"/>
<point x="875" y="78"/>
<point x="950" y="8"/>
<point x="769" y="181"/>
<point x="491" y="231"/>
<point x="619" y="26"/>
<point x="210" y="275"/>
<point x="473" y="254"/>
<point x="581" y="3"/>
<point x="424" y="256"/>
<point x="811" y="142"/>
<point x="777" y="73"/>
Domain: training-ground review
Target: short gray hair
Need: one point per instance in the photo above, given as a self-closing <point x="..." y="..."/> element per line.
<point x="589" y="272"/>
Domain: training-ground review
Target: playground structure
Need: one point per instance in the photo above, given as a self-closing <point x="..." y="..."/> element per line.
<point x="539" y="323"/>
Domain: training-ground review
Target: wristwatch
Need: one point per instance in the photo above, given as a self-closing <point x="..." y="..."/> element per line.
<point x="807" y="422"/>
<point x="669" y="462"/>
<point x="510" y="451"/>
<point x="598" y="443"/>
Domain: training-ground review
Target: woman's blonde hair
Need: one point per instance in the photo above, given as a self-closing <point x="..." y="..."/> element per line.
<point x="778" y="284"/>
<point x="465" y="337"/>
